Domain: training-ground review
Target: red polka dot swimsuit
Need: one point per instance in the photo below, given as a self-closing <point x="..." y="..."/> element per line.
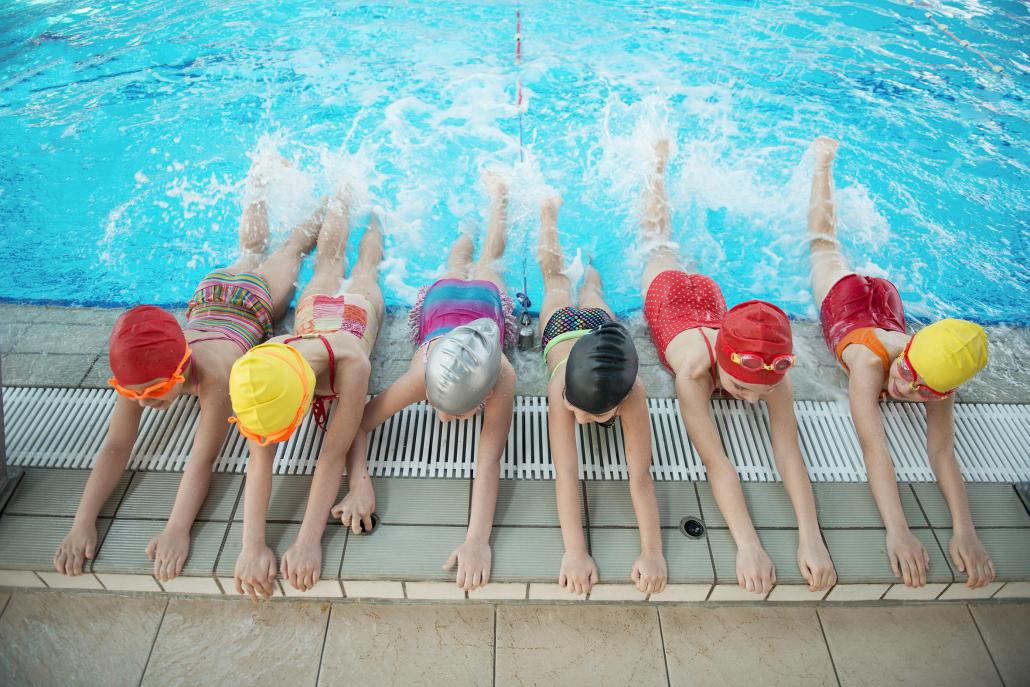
<point x="677" y="301"/>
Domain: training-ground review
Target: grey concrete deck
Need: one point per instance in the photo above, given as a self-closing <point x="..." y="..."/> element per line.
<point x="56" y="346"/>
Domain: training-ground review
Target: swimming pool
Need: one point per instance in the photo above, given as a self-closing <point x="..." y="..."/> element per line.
<point x="127" y="131"/>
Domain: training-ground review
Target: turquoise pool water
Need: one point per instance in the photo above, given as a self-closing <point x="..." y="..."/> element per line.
<point x="127" y="130"/>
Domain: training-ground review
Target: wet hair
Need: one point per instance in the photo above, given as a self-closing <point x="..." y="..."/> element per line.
<point x="602" y="369"/>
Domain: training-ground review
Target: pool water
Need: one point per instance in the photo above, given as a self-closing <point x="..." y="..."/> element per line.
<point x="127" y="130"/>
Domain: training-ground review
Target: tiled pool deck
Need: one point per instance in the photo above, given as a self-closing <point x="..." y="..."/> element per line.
<point x="113" y="640"/>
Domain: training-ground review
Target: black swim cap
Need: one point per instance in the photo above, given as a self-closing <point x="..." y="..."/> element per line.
<point x="602" y="369"/>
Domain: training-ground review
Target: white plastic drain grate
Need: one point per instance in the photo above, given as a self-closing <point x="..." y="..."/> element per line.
<point x="51" y="427"/>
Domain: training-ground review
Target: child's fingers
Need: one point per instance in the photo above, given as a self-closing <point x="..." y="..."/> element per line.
<point x="451" y="561"/>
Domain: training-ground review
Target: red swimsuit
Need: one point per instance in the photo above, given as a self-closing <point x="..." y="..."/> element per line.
<point x="677" y="301"/>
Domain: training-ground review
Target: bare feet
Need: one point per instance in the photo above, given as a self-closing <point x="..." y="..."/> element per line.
<point x="578" y="572"/>
<point x="496" y="187"/>
<point x="661" y="156"/>
<point x="825" y="149"/>
<point x="79" y="545"/>
<point x="302" y="564"/>
<point x="550" y="207"/>
<point x="169" y="551"/>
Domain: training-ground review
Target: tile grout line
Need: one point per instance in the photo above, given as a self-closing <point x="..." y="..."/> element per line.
<point x="826" y="643"/>
<point x="495" y="642"/>
<point x="665" y="654"/>
<point x="325" y="638"/>
<point x="89" y="369"/>
<point x="6" y="604"/>
<point x="986" y="646"/>
<point x="157" y="633"/>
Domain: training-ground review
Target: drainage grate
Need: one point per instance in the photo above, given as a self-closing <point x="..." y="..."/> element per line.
<point x="51" y="427"/>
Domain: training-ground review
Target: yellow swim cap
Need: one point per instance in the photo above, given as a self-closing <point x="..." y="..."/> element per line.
<point x="948" y="353"/>
<point x="271" y="387"/>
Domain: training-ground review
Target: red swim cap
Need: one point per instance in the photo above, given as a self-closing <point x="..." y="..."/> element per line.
<point x="146" y="343"/>
<point x="754" y="327"/>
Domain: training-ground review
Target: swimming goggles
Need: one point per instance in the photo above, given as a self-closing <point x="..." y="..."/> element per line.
<point x="286" y="432"/>
<point x="908" y="373"/>
<point x="157" y="389"/>
<point x="755" y="362"/>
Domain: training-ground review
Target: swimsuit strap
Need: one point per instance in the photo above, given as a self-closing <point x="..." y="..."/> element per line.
<point x="711" y="358"/>
<point x="223" y="337"/>
<point x="318" y="410"/>
<point x="565" y="336"/>
<point x="865" y="336"/>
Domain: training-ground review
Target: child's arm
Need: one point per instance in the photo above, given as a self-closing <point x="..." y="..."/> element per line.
<point x="81" y="541"/>
<point x="907" y="555"/>
<point x="473" y="556"/>
<point x="359" y="503"/>
<point x="967" y="551"/>
<point x="302" y="563"/>
<point x="755" y="571"/>
<point x="650" y="571"/>
<point x="813" y="558"/>
<point x="578" y="572"/>
<point x="255" y="567"/>
<point x="170" y="549"/>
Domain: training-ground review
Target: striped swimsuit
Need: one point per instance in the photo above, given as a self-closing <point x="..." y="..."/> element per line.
<point x="451" y="303"/>
<point x="237" y="307"/>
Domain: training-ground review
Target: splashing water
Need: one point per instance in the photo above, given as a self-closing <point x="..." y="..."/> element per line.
<point x="128" y="132"/>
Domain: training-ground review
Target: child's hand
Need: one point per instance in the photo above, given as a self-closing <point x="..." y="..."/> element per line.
<point x="255" y="572"/>
<point x="302" y="564"/>
<point x="755" y="571"/>
<point x="650" y="572"/>
<point x="970" y="557"/>
<point x="908" y="557"/>
<point x="816" y="565"/>
<point x="79" y="544"/>
<point x="169" y="551"/>
<point x="357" y="506"/>
<point x="578" y="572"/>
<point x="473" y="559"/>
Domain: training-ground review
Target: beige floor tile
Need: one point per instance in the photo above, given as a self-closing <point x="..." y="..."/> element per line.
<point x="1006" y="629"/>
<point x="216" y="642"/>
<point x="56" y="638"/>
<point x="576" y="644"/>
<point x="907" y="645"/>
<point x="732" y="646"/>
<point x="409" y="644"/>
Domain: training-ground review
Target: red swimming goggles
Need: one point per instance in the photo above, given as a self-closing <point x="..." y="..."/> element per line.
<point x="908" y="373"/>
<point x="755" y="362"/>
<point x="158" y="388"/>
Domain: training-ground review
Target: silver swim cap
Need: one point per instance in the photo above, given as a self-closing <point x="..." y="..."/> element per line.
<point x="463" y="366"/>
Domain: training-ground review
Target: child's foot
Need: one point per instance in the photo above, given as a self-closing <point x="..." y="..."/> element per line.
<point x="169" y="551"/>
<point x="549" y="208"/>
<point x="825" y="149"/>
<point x="302" y="564"/>
<point x="661" y="155"/>
<point x="79" y="545"/>
<point x="495" y="185"/>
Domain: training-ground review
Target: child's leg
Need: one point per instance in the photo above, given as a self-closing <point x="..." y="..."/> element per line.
<point x="493" y="247"/>
<point x="253" y="233"/>
<point x="281" y="267"/>
<point x="591" y="293"/>
<point x="557" y="289"/>
<point x="828" y="264"/>
<point x="655" y="227"/>
<point x="332" y="242"/>
<point x="460" y="258"/>
<point x="364" y="277"/>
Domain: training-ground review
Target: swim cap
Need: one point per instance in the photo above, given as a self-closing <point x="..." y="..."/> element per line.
<point x="948" y="353"/>
<point x="754" y="327"/>
<point x="271" y="387"/>
<point x="602" y="369"/>
<point x="147" y="343"/>
<point x="463" y="366"/>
